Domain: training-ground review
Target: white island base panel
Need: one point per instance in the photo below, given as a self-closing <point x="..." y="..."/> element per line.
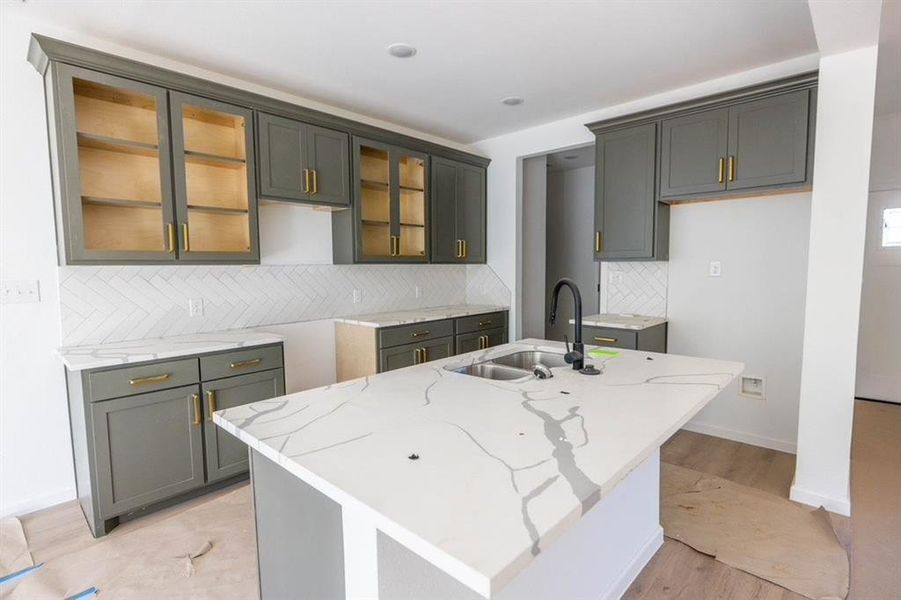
<point x="597" y="559"/>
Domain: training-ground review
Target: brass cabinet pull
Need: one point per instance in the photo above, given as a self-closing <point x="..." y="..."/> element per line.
<point x="170" y="229"/>
<point x="197" y="416"/>
<point x="211" y="402"/>
<point x="185" y="235"/>
<point x="306" y="181"/>
<point x="597" y="241"/>
<point x="464" y="248"/>
<point x="417" y="334"/>
<point x="722" y="170"/>
<point x="148" y="380"/>
<point x="484" y="323"/>
<point x="732" y="168"/>
<point x="417" y="356"/>
<point x="394" y="247"/>
<point x="605" y="340"/>
<point x="459" y="249"/>
<point x="315" y="182"/>
<point x="483" y="342"/>
<point x="425" y="355"/>
<point x="245" y="363"/>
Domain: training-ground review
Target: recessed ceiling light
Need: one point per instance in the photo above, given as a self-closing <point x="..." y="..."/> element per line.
<point x="401" y="50"/>
<point x="512" y="100"/>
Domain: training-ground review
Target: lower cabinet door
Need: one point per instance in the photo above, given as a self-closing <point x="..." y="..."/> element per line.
<point x="414" y="354"/>
<point x="148" y="448"/>
<point x="480" y="340"/>
<point x="226" y="455"/>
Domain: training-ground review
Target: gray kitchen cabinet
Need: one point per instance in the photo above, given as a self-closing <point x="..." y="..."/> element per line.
<point x="148" y="448"/>
<point x="650" y="339"/>
<point x="226" y="455"/>
<point x="627" y="215"/>
<point x="142" y="434"/>
<point x="458" y="212"/>
<point x="768" y="141"/>
<point x="363" y="350"/>
<point x="407" y="355"/>
<point x="303" y="163"/>
<point x="693" y="153"/>
<point x="478" y="340"/>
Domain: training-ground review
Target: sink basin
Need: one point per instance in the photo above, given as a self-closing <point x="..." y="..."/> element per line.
<point x="529" y="358"/>
<point x="489" y="370"/>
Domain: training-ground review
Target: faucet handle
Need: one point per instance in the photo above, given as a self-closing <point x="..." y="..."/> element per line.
<point x="566" y="342"/>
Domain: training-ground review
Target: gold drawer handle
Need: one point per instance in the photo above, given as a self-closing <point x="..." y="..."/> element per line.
<point x="187" y="237"/>
<point x="173" y="245"/>
<point x="602" y="340"/>
<point x="417" y="334"/>
<point x="425" y="355"/>
<point x="197" y="417"/>
<point x="306" y="181"/>
<point x="315" y="182"/>
<point x="722" y="170"/>
<point x="465" y="251"/>
<point x="732" y="168"/>
<point x="245" y="363"/>
<point x="598" y="241"/>
<point x="149" y="380"/>
<point x="211" y="402"/>
<point x="484" y="323"/>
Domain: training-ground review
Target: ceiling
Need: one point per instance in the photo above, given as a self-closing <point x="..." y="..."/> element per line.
<point x="564" y="58"/>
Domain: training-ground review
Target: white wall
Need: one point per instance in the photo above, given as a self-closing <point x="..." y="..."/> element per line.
<point x="534" y="234"/>
<point x="753" y="312"/>
<point x="879" y="347"/>
<point x="35" y="451"/>
<point x="834" y="275"/>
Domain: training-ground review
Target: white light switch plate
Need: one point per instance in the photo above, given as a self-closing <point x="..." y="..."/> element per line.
<point x="716" y="268"/>
<point x="195" y="307"/>
<point x="21" y="291"/>
<point x="358" y="296"/>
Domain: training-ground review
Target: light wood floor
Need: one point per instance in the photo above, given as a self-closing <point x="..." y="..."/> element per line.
<point x="677" y="571"/>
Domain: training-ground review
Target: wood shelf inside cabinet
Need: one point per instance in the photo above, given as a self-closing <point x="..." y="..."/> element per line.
<point x="406" y="188"/>
<point x="218" y="210"/>
<point x="374" y="185"/>
<point x="119" y="202"/>
<point x="402" y="224"/>
<point x="111" y="144"/>
<point x="214" y="160"/>
<point x="375" y="223"/>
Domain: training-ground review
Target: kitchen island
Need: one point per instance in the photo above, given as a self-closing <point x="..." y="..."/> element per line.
<point x="427" y="482"/>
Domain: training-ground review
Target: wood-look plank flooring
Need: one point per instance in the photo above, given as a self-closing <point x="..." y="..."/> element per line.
<point x="677" y="572"/>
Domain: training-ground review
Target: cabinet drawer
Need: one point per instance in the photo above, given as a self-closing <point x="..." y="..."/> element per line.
<point x="415" y="333"/>
<point x="607" y="336"/>
<point x="414" y="354"/>
<point x="127" y="381"/>
<point x="469" y="342"/>
<point x="481" y="322"/>
<point x="238" y="362"/>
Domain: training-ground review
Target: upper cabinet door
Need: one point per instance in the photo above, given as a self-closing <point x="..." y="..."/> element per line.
<point x="624" y="193"/>
<point x="327" y="161"/>
<point x="373" y="208"/>
<point x="411" y="215"/>
<point x="113" y="173"/>
<point x="215" y="191"/>
<point x="445" y="242"/>
<point x="283" y="158"/>
<point x="693" y="153"/>
<point x="768" y="141"/>
<point x="471" y="213"/>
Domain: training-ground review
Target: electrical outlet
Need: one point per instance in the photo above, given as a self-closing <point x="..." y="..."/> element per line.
<point x="752" y="387"/>
<point x="358" y="296"/>
<point x="195" y="307"/>
<point x="616" y="277"/>
<point x="716" y="268"/>
<point x="20" y="291"/>
<point x="417" y="292"/>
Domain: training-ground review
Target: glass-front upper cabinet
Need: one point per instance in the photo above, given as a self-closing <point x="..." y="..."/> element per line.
<point x="212" y="145"/>
<point x="392" y="211"/>
<point x="113" y="175"/>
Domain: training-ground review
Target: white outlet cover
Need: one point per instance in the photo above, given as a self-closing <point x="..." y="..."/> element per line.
<point x="22" y="291"/>
<point x="716" y="268"/>
<point x="195" y="307"/>
<point x="358" y="296"/>
<point x="417" y="291"/>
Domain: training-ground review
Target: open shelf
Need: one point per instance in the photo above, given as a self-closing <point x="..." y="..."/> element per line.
<point x="123" y="227"/>
<point x="219" y="231"/>
<point x="121" y="202"/>
<point x="213" y="134"/>
<point x="215" y="187"/>
<point x="375" y="223"/>
<point x="102" y="142"/>
<point x="374" y="185"/>
<point x="413" y="190"/>
<point x="213" y="160"/>
<point x="114" y="113"/>
<point x="120" y="175"/>
<point x="217" y="210"/>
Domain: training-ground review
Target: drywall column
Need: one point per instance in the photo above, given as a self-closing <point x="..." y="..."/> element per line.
<point x="834" y="273"/>
<point x="534" y="234"/>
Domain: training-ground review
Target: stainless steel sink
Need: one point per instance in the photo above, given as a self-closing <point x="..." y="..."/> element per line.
<point x="509" y="367"/>
<point x="489" y="370"/>
<point x="529" y="358"/>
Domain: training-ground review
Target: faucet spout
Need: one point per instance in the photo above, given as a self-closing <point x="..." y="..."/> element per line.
<point x="577" y="356"/>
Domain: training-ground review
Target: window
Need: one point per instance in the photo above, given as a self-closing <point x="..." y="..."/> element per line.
<point x="891" y="228"/>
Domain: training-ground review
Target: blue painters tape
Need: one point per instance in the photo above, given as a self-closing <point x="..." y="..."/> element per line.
<point x="91" y="592"/>
<point x="19" y="575"/>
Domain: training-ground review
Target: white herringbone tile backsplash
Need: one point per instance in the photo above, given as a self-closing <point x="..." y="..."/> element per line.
<point x="642" y="290"/>
<point x="118" y="303"/>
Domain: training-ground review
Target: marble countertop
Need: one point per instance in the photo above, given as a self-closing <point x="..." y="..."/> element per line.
<point x="418" y="315"/>
<point x="78" y="358"/>
<point x="504" y="467"/>
<point x="620" y="321"/>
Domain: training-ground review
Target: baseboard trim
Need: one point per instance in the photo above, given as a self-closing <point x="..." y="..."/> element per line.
<point x="742" y="436"/>
<point x="839" y="506"/>
<point x="38" y="503"/>
<point x="648" y="550"/>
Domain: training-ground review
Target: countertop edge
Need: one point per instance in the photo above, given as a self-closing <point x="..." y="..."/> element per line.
<point x="370" y="320"/>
